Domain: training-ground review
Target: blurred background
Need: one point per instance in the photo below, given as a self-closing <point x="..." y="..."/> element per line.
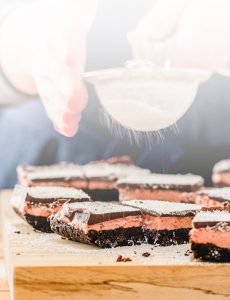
<point x="201" y="138"/>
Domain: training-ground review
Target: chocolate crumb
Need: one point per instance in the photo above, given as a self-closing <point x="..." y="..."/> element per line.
<point x="187" y="253"/>
<point x="17" y="231"/>
<point x="18" y="254"/>
<point x="63" y="238"/>
<point x="146" y="254"/>
<point x="123" y="259"/>
<point x="135" y="252"/>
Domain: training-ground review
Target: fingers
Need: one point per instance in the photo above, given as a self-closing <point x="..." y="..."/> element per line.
<point x="156" y="26"/>
<point x="59" y="64"/>
<point x="64" y="121"/>
<point x="78" y="100"/>
<point x="200" y="40"/>
<point x="63" y="106"/>
<point x="72" y="113"/>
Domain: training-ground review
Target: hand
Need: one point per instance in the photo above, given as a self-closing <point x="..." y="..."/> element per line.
<point x="187" y="33"/>
<point x="43" y="49"/>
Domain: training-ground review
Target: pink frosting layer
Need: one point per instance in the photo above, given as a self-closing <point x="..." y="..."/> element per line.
<point x="41" y="211"/>
<point x="100" y="184"/>
<point x="78" y="184"/>
<point x="206" y="202"/>
<point x="167" y="223"/>
<point x="207" y="236"/>
<point x="92" y="184"/>
<point x="126" y="222"/>
<point x="221" y="178"/>
<point x="164" y="195"/>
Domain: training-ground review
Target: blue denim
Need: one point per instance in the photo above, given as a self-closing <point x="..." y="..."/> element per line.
<point x="27" y="136"/>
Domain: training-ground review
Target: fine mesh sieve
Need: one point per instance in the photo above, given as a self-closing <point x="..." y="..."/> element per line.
<point x="145" y="97"/>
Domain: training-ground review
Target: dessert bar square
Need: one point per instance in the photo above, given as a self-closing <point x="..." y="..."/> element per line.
<point x="221" y="173"/>
<point x="98" y="178"/>
<point x="63" y="174"/>
<point x="165" y="223"/>
<point x="37" y="204"/>
<point x="214" y="198"/>
<point x="101" y="224"/>
<point x="177" y="188"/>
<point x="210" y="236"/>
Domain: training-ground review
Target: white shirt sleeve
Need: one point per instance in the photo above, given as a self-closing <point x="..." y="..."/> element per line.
<point x="7" y="5"/>
<point x="8" y="93"/>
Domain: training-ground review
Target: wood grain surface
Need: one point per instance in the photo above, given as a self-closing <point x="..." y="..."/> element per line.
<point x="4" y="288"/>
<point x="44" y="266"/>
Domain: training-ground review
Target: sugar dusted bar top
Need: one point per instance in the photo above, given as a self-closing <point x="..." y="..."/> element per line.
<point x="185" y="183"/>
<point x="102" y="224"/>
<point x="96" y="212"/>
<point x="164" y="208"/>
<point x="211" y="218"/>
<point x="222" y="166"/>
<point x="79" y="175"/>
<point x="62" y="171"/>
<point x="221" y="173"/>
<point x="45" y="194"/>
<point x="175" y="188"/>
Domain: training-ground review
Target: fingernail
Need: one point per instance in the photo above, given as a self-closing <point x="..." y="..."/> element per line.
<point x="70" y="132"/>
<point x="78" y="101"/>
<point x="70" y="120"/>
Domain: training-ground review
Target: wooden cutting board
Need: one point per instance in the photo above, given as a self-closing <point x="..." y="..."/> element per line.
<point x="4" y="289"/>
<point x="44" y="266"/>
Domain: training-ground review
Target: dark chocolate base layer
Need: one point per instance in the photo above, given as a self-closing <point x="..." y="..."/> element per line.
<point x="220" y="184"/>
<point x="210" y="252"/>
<point x="103" y="239"/>
<point x="103" y="195"/>
<point x="39" y="223"/>
<point x="167" y="237"/>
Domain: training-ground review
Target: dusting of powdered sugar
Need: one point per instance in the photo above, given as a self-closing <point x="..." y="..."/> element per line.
<point x="140" y="96"/>
<point x="67" y="171"/>
<point x="56" y="192"/>
<point x="45" y="245"/>
<point x="61" y="170"/>
<point x="221" y="194"/>
<point x="98" y="207"/>
<point x="161" y="208"/>
<point x="112" y="171"/>
<point x="164" y="180"/>
<point x="212" y="216"/>
<point x="222" y="166"/>
<point x="205" y="191"/>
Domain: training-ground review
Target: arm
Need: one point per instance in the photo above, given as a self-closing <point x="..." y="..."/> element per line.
<point x="43" y="49"/>
<point x="8" y="93"/>
<point x="191" y="34"/>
